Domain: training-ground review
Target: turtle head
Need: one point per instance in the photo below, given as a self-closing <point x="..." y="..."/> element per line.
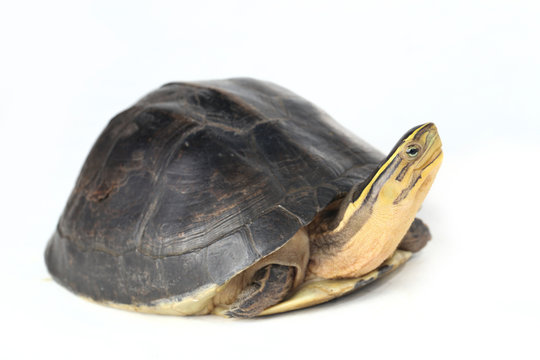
<point x="406" y="175"/>
<point x="376" y="214"/>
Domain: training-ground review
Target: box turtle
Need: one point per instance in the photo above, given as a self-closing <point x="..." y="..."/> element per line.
<point x="238" y="197"/>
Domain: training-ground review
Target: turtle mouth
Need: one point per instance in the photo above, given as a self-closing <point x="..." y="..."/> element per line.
<point x="430" y="170"/>
<point x="437" y="154"/>
<point x="433" y="150"/>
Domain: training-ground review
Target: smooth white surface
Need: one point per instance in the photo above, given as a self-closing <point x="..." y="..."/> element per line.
<point x="379" y="68"/>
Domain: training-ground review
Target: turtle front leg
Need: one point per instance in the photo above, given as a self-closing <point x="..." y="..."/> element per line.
<point x="416" y="238"/>
<point x="270" y="285"/>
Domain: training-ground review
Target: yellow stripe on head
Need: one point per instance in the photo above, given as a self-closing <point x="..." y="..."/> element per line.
<point x="401" y="171"/>
<point x="412" y="149"/>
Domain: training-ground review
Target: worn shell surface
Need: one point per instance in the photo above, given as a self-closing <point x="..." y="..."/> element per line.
<point x="196" y="182"/>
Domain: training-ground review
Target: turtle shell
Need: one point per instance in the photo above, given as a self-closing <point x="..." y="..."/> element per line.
<point x="195" y="183"/>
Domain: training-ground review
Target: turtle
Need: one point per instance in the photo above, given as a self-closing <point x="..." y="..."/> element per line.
<point x="238" y="197"/>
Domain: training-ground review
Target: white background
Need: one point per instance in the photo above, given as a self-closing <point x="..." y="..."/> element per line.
<point x="379" y="68"/>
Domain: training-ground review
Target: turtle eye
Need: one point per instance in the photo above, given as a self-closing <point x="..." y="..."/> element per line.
<point x="412" y="151"/>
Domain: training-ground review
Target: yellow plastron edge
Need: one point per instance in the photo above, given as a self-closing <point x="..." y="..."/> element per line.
<point x="318" y="291"/>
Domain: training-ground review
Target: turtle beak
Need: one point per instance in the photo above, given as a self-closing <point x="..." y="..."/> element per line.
<point x="433" y="145"/>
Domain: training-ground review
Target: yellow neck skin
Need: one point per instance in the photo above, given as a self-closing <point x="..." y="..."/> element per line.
<point x="373" y="225"/>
